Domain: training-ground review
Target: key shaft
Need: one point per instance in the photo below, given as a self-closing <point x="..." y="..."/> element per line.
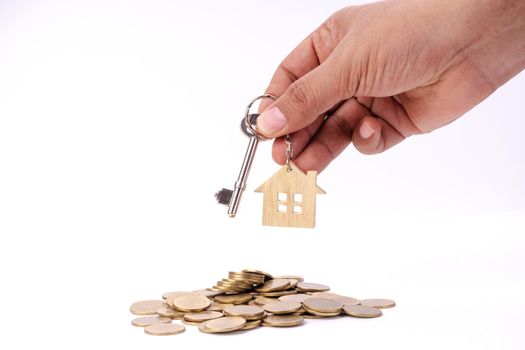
<point x="240" y="184"/>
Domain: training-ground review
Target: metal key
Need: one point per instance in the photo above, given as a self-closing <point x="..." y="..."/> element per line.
<point x="232" y="198"/>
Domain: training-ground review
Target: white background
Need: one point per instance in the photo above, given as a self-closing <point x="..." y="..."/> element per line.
<point x="119" y="121"/>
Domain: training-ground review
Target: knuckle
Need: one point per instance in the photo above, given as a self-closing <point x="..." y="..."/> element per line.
<point x="300" y="95"/>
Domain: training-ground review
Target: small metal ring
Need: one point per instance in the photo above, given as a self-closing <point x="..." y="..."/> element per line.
<point x="247" y="115"/>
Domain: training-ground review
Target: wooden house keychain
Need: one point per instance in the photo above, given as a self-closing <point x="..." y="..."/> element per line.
<point x="289" y="194"/>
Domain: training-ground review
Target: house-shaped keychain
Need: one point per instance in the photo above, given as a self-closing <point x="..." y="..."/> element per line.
<point x="289" y="197"/>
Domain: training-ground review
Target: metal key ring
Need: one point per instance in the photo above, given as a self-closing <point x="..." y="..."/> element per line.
<point x="247" y="119"/>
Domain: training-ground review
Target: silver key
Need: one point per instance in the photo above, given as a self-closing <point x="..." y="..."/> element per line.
<point x="232" y="198"/>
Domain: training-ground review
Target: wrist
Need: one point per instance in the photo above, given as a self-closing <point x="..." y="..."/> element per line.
<point x="498" y="48"/>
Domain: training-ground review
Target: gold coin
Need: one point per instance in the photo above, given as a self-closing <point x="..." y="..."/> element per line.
<point x="146" y="321"/>
<point x="189" y="323"/>
<point x="378" y="303"/>
<point x="321" y="314"/>
<point x="215" y="306"/>
<point x="265" y="300"/>
<point x="295" y="297"/>
<point x="361" y="311"/>
<point x="249" y="277"/>
<point x="171" y="298"/>
<point x="322" y="305"/>
<point x="202" y="316"/>
<point x="253" y="303"/>
<point x="176" y="294"/>
<point x="283" y="320"/>
<point x="312" y="316"/>
<point x="246" y="311"/>
<point x="266" y="275"/>
<point x="207" y="293"/>
<point x="347" y="300"/>
<point x="233" y="282"/>
<point x="222" y="325"/>
<point x="293" y="282"/>
<point x="169" y="312"/>
<point x="228" y="289"/>
<point x="340" y="298"/>
<point x="191" y="303"/>
<point x="283" y="307"/>
<point x="235" y="299"/>
<point x="279" y="294"/>
<point x="299" y="278"/>
<point x="273" y="286"/>
<point x="324" y="294"/>
<point x="312" y="287"/>
<point x="164" y="329"/>
<point x="251" y="325"/>
<point x="146" y="307"/>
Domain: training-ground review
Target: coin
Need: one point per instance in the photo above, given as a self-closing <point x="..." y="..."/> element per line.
<point x="322" y="305"/>
<point x="362" y="311"/>
<point x="293" y="282"/>
<point x="312" y="316"/>
<point x="378" y="303"/>
<point x="164" y="329"/>
<point x="146" y="307"/>
<point x="176" y="294"/>
<point x="283" y="307"/>
<point x="246" y="311"/>
<point x="245" y="276"/>
<point x="207" y="293"/>
<point x="189" y="323"/>
<point x="295" y="297"/>
<point x="228" y="289"/>
<point x="312" y="287"/>
<point x="233" y="298"/>
<point x="273" y="286"/>
<point x="215" y="306"/>
<point x="202" y="316"/>
<point x="251" y="325"/>
<point x="233" y="282"/>
<point x="146" y="321"/>
<point x="191" y="303"/>
<point x="264" y="300"/>
<point x="342" y="299"/>
<point x="222" y="325"/>
<point x="169" y="312"/>
<point x="279" y="294"/>
<point x="299" y="278"/>
<point x="283" y="320"/>
<point x="266" y="275"/>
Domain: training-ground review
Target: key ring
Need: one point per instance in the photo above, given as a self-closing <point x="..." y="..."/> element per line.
<point x="249" y="122"/>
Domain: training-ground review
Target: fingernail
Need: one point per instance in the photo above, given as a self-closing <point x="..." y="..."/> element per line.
<point x="365" y="131"/>
<point x="271" y="121"/>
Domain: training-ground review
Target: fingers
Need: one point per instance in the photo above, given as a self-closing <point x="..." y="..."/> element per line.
<point x="304" y="100"/>
<point x="300" y="140"/>
<point x="304" y="58"/>
<point x="351" y="122"/>
<point x="374" y="135"/>
<point x="333" y="137"/>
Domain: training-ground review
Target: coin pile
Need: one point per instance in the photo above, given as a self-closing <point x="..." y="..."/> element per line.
<point x="246" y="300"/>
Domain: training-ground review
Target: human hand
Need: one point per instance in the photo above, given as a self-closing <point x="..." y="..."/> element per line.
<point x="379" y="73"/>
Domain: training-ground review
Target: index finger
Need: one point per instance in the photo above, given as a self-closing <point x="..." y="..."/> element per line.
<point x="309" y="54"/>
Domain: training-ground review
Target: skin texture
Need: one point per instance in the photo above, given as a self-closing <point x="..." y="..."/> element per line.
<point x="379" y="73"/>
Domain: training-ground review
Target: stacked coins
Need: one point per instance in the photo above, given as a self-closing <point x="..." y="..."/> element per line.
<point x="246" y="300"/>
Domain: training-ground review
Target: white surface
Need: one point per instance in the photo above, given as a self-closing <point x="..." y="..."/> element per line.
<point x="119" y="121"/>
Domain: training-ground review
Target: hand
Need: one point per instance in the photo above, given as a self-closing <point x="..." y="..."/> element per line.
<point x="379" y="73"/>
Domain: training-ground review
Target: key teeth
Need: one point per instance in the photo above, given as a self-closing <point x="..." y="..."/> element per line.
<point x="224" y="196"/>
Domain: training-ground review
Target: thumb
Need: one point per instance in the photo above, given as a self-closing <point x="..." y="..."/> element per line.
<point x="307" y="98"/>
